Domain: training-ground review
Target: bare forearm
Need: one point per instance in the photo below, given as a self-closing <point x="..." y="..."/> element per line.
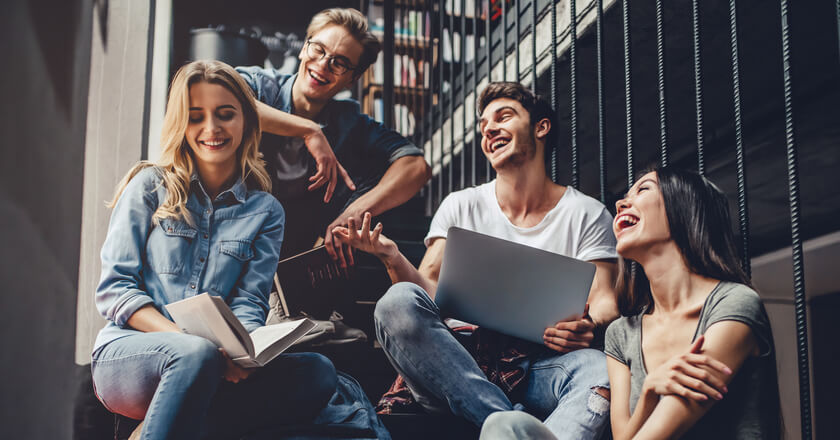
<point x="400" y="270"/>
<point x="644" y="408"/>
<point x="148" y="319"/>
<point x="284" y="124"/>
<point x="401" y="181"/>
<point x="603" y="307"/>
<point x="671" y="418"/>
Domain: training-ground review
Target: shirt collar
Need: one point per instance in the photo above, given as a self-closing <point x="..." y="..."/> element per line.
<point x="238" y="190"/>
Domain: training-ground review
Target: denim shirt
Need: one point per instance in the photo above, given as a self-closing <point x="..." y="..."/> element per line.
<point x="232" y="252"/>
<point x="363" y="146"/>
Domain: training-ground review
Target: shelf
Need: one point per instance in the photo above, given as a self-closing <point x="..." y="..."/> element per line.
<point x="373" y="88"/>
<point x="409" y="41"/>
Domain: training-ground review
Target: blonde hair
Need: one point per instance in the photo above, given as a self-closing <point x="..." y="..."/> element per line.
<point x="356" y="24"/>
<point x="176" y="164"/>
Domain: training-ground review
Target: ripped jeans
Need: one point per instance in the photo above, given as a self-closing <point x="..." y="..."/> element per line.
<point x="444" y="377"/>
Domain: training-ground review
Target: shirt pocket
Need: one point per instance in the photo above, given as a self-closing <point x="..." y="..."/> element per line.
<point x="241" y="250"/>
<point x="231" y="263"/>
<point x="170" y="246"/>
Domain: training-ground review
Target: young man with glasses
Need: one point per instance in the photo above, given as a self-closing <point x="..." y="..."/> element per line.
<point x="383" y="169"/>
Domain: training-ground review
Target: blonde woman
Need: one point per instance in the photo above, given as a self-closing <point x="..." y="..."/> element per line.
<point x="199" y="220"/>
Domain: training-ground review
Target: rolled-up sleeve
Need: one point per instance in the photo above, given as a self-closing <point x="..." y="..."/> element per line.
<point x="263" y="82"/>
<point x="121" y="290"/>
<point x="386" y="143"/>
<point x="249" y="299"/>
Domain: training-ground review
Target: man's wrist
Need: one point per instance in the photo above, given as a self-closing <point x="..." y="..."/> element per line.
<point x="312" y="128"/>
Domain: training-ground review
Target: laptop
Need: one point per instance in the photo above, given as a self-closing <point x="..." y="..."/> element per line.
<point x="508" y="287"/>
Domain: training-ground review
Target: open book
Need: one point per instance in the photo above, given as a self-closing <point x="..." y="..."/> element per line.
<point x="209" y="317"/>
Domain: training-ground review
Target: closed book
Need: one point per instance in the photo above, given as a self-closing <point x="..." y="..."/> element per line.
<point x="312" y="282"/>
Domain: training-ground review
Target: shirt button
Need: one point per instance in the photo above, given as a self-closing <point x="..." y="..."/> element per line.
<point x="192" y="286"/>
<point x="207" y="212"/>
<point x="201" y="259"/>
<point x="206" y="236"/>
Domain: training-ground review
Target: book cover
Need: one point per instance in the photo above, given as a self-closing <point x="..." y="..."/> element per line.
<point x="312" y="283"/>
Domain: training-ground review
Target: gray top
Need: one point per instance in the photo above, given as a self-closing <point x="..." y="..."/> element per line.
<point x="750" y="409"/>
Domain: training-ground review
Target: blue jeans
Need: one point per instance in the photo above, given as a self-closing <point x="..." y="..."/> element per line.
<point x="444" y="377"/>
<point x="174" y="383"/>
<point x="514" y="425"/>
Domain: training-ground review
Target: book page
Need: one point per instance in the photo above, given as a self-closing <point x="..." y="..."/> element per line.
<point x="199" y="316"/>
<point x="271" y="340"/>
<point x="235" y="325"/>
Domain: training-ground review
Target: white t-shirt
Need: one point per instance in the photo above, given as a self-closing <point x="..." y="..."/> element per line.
<point x="578" y="226"/>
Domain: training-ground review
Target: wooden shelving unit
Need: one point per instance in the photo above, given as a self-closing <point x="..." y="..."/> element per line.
<point x="401" y="77"/>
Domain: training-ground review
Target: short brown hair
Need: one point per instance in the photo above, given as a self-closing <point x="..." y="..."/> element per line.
<point x="356" y="24"/>
<point x="536" y="106"/>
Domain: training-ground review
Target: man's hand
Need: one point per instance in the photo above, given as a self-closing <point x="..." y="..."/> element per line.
<point x="366" y="239"/>
<point x="337" y="250"/>
<point x="329" y="170"/>
<point x="691" y="375"/>
<point x="570" y="334"/>
<point x="234" y="373"/>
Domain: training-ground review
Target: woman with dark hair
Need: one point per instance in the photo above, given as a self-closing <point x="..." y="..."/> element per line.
<point x="693" y="356"/>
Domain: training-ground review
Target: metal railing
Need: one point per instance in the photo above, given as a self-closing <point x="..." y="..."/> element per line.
<point x="451" y="138"/>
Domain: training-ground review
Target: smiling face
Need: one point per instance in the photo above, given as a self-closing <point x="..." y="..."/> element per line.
<point x="508" y="137"/>
<point x="640" y="221"/>
<point x="215" y="127"/>
<point x="316" y="81"/>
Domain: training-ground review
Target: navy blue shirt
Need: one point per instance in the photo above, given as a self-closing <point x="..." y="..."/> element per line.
<point x="363" y="146"/>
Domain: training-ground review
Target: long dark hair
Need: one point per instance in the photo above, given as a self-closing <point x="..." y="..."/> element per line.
<point x="698" y="218"/>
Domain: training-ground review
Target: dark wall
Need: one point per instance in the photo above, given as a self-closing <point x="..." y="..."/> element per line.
<point x="826" y="354"/>
<point x="44" y="90"/>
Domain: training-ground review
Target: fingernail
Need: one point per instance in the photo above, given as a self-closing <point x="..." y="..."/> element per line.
<point x="725" y="389"/>
<point x="719" y="396"/>
<point x="727" y="370"/>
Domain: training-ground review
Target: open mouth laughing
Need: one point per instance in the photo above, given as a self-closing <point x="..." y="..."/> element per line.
<point x="624" y="222"/>
<point x="498" y="143"/>
<point x="318" y="78"/>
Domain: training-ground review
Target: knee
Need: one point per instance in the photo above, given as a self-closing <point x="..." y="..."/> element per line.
<point x="591" y="367"/>
<point x="199" y="354"/>
<point x="393" y="310"/>
<point x="513" y="424"/>
<point x="319" y="372"/>
<point x="498" y="425"/>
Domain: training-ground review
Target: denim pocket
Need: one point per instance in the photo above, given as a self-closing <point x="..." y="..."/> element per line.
<point x="169" y="245"/>
<point x="242" y="250"/>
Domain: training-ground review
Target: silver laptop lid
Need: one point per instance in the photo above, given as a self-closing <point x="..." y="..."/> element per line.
<point x="508" y="287"/>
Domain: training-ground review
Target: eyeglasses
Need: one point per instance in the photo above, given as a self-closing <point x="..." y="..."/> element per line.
<point x="338" y="64"/>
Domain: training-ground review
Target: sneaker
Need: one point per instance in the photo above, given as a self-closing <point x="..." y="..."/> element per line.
<point x="326" y="332"/>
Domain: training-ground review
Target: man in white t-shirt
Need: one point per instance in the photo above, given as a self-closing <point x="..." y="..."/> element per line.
<point x="563" y="383"/>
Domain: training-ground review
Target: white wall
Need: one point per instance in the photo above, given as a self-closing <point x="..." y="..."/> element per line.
<point x="119" y="81"/>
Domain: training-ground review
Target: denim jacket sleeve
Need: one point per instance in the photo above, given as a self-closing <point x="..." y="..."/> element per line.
<point x="121" y="291"/>
<point x="249" y="297"/>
